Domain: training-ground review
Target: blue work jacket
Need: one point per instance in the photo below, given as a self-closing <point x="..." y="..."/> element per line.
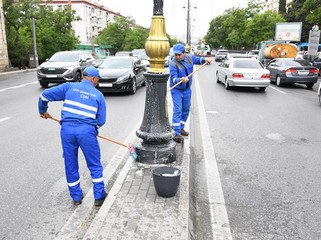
<point x="83" y="103"/>
<point x="179" y="69"/>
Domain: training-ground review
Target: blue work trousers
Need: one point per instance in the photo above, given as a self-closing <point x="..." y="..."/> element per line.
<point x="73" y="136"/>
<point x="181" y="107"/>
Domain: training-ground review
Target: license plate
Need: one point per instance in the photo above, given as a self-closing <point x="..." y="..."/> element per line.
<point x="51" y="76"/>
<point x="303" y="72"/>
<point x="105" y="84"/>
<point x="252" y="75"/>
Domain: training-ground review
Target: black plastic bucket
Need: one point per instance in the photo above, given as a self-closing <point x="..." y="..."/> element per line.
<point x="166" y="181"/>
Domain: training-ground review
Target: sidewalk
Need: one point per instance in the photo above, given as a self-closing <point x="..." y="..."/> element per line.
<point x="133" y="210"/>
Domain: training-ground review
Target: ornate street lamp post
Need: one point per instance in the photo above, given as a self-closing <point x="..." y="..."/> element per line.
<point x="157" y="145"/>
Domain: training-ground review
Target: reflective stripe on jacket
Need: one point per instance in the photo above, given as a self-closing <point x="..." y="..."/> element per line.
<point x="83" y="103"/>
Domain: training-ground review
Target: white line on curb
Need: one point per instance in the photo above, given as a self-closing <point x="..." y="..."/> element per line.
<point x="219" y="219"/>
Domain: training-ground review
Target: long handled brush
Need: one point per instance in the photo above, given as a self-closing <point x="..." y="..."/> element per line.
<point x="130" y="146"/>
<point x="197" y="69"/>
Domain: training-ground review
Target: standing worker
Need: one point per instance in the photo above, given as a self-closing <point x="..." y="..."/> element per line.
<point x="83" y="112"/>
<point x="179" y="68"/>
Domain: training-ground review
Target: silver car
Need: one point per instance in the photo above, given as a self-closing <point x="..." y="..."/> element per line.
<point x="243" y="72"/>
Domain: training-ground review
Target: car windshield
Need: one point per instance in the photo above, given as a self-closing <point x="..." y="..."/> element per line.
<point x="222" y="53"/>
<point x="296" y="63"/>
<point x="116" y="63"/>
<point x="247" y="64"/>
<point x="65" y="57"/>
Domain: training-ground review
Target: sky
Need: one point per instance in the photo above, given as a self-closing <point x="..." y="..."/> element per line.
<point x="175" y="14"/>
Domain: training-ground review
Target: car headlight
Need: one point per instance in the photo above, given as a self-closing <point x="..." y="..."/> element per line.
<point x="123" y="78"/>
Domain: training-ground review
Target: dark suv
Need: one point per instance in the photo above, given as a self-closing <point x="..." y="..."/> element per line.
<point x="65" y="66"/>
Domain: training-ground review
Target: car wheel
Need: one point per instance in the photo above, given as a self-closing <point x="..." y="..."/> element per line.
<point x="144" y="82"/>
<point x="262" y="89"/>
<point x="133" y="87"/>
<point x="78" y="77"/>
<point x="44" y="85"/>
<point x="227" y="85"/>
<point x="217" y="78"/>
<point x="309" y="85"/>
<point x="278" y="81"/>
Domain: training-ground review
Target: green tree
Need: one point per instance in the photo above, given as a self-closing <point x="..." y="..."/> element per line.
<point x="313" y="7"/>
<point x="296" y="13"/>
<point x="261" y="27"/>
<point x="50" y="25"/>
<point x="115" y="33"/>
<point x="135" y="38"/>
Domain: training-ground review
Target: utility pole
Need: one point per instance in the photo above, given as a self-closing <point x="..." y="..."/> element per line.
<point x="188" y="30"/>
<point x="34" y="58"/>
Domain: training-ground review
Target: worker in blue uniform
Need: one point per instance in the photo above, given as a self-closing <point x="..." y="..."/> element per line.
<point x="179" y="68"/>
<point x="83" y="112"/>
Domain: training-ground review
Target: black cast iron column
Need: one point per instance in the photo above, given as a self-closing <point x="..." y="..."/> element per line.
<point x="157" y="145"/>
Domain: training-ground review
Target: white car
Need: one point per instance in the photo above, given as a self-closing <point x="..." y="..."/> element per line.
<point x="243" y="72"/>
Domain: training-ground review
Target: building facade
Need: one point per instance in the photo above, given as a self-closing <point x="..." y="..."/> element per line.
<point x="4" y="59"/>
<point x="274" y="4"/>
<point x="94" y="17"/>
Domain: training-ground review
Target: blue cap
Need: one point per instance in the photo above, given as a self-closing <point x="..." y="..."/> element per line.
<point x="91" y="72"/>
<point x="178" y="48"/>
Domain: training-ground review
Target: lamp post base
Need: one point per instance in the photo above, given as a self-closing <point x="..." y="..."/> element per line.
<point x="161" y="153"/>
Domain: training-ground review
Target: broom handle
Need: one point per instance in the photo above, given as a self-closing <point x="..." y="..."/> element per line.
<point x="187" y="76"/>
<point x="108" y="139"/>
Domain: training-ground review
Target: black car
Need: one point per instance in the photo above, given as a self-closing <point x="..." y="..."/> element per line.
<point x="316" y="62"/>
<point x="289" y="71"/>
<point x="121" y="74"/>
<point x="65" y="66"/>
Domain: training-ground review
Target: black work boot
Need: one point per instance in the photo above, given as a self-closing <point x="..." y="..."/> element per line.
<point x="77" y="203"/>
<point x="178" y="138"/>
<point x="184" y="133"/>
<point x="99" y="202"/>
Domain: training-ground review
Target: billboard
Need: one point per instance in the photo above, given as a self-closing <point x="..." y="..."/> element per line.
<point x="288" y="31"/>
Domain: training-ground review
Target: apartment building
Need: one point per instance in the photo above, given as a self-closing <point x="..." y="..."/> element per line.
<point x="94" y="17"/>
<point x="4" y="59"/>
<point x="274" y="4"/>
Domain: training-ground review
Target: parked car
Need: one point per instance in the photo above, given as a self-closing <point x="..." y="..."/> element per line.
<point x="243" y="72"/>
<point x="65" y="66"/>
<point x="124" y="53"/>
<point x="220" y="55"/>
<point x="169" y="57"/>
<point x="238" y="55"/>
<point x="121" y="74"/>
<point x="254" y="53"/>
<point x="137" y="52"/>
<point x="316" y="62"/>
<point x="290" y="71"/>
<point x="144" y="59"/>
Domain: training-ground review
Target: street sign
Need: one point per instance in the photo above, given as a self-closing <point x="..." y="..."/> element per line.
<point x="314" y="38"/>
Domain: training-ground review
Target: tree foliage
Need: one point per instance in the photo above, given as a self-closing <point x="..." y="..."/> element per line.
<point x="242" y="28"/>
<point x="261" y="27"/>
<point x="53" y="30"/>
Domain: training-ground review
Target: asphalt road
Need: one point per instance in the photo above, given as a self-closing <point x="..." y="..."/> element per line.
<point x="267" y="146"/>
<point x="34" y="200"/>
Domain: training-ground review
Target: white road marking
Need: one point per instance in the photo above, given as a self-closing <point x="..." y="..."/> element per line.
<point x="19" y="86"/>
<point x="4" y="119"/>
<point x="219" y="218"/>
<point x="277" y="90"/>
